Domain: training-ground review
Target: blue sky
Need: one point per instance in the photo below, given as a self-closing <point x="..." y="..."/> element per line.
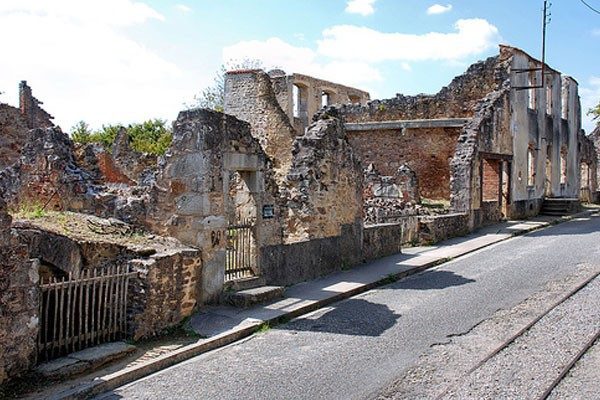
<point x="121" y="61"/>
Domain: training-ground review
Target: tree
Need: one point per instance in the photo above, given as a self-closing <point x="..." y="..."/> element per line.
<point x="595" y="113"/>
<point x="81" y="133"/>
<point x="151" y="136"/>
<point x="213" y="96"/>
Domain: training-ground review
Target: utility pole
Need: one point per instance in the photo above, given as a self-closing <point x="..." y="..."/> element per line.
<point x="545" y="21"/>
<point x="544" y="25"/>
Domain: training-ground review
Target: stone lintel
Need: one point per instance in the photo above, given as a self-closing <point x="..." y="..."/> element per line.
<point x="408" y="124"/>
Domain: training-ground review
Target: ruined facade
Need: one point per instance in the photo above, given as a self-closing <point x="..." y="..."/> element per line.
<point x="494" y="143"/>
<point x="297" y="179"/>
<point x="302" y="96"/>
<point x="521" y="146"/>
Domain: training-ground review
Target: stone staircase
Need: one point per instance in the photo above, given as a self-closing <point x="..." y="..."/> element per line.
<point x="244" y="293"/>
<point x="559" y="206"/>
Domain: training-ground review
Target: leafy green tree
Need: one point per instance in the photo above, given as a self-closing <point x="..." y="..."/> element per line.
<point x="595" y="113"/>
<point x="106" y="135"/>
<point x="213" y="96"/>
<point x="152" y="136"/>
<point x="81" y="133"/>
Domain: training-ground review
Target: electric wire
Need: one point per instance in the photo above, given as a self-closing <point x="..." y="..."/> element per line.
<point x="590" y="7"/>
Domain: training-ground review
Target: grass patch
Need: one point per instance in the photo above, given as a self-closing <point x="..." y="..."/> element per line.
<point x="29" y="210"/>
<point x="263" y="328"/>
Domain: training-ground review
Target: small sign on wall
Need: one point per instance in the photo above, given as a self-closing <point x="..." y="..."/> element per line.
<point x="268" y="211"/>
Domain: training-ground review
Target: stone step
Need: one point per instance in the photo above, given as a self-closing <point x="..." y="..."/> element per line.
<point x="249" y="297"/>
<point x="554" y="213"/>
<point x="554" y="207"/>
<point x="84" y="361"/>
<point x="245" y="283"/>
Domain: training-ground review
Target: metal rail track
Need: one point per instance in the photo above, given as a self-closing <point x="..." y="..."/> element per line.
<point x="526" y="328"/>
<point x="569" y="366"/>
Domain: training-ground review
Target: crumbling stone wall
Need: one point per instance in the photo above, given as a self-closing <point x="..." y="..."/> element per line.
<point x="249" y="96"/>
<point x="465" y="183"/>
<point x="426" y="150"/>
<point x="135" y="165"/>
<point x="100" y="163"/>
<point x="433" y="229"/>
<point x="16" y="122"/>
<point x="164" y="292"/>
<point x="322" y="222"/>
<point x="324" y="170"/>
<point x="189" y="199"/>
<point x="595" y="138"/>
<point x="19" y="314"/>
<point x="307" y="97"/>
<point x="47" y="173"/>
<point x="14" y="134"/>
<point x="457" y="100"/>
<point x="389" y="199"/>
<point x="121" y="165"/>
<point x="588" y="161"/>
<point x="34" y="115"/>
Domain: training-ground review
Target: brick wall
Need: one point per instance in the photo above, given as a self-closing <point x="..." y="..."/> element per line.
<point x="425" y="151"/>
<point x="491" y="180"/>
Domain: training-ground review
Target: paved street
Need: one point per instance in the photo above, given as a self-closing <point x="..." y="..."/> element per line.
<point x="359" y="346"/>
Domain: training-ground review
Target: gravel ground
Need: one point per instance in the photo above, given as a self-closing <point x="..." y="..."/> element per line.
<point x="530" y="364"/>
<point x="583" y="381"/>
<point x="446" y="363"/>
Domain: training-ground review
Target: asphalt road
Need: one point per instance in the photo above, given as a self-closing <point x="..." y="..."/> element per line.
<point x="358" y="346"/>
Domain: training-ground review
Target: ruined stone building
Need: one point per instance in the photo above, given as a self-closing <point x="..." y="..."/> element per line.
<point x="299" y="177"/>
<point x="495" y="142"/>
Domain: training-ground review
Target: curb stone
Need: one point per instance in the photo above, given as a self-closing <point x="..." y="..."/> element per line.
<point x="112" y="381"/>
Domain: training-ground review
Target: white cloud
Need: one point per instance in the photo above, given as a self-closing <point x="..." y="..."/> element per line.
<point x="348" y="42"/>
<point x="274" y="52"/>
<point x="406" y="66"/>
<point x="439" y="9"/>
<point x="183" y="8"/>
<point x="349" y="54"/>
<point x="362" y="7"/>
<point x="596" y="32"/>
<point x="590" y="96"/>
<point x="82" y="64"/>
<point x="107" y="12"/>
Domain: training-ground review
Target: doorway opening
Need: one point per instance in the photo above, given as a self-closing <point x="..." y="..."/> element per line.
<point x="242" y="251"/>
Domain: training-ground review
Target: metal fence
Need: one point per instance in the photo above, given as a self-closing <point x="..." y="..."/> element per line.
<point x="76" y="313"/>
<point x="241" y="259"/>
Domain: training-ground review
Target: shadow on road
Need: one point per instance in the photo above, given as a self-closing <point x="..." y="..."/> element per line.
<point x="428" y="280"/>
<point x="356" y="317"/>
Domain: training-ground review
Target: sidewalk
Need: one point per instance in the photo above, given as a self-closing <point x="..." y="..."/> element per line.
<point x="222" y="325"/>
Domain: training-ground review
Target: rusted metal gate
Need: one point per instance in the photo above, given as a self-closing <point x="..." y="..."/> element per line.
<point x="76" y="313"/>
<point x="241" y="258"/>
